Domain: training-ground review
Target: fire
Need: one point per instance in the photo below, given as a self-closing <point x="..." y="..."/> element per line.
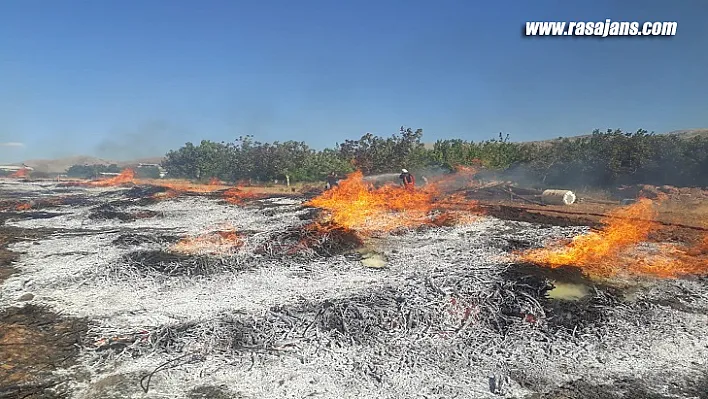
<point x="609" y="251"/>
<point x="125" y="177"/>
<point x="20" y="174"/>
<point x="219" y="242"/>
<point x="702" y="246"/>
<point x="462" y="178"/>
<point x="676" y="261"/>
<point x="357" y="205"/>
<point x="24" y="207"/>
<point x="236" y="195"/>
<point x="174" y="188"/>
<point x="354" y="204"/>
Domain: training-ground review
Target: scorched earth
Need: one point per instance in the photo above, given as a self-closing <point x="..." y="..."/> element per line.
<point x="167" y="294"/>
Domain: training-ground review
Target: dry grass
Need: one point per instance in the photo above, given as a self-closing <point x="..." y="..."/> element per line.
<point x="690" y="212"/>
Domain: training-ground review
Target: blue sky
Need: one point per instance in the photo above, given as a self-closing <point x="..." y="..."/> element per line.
<point x="134" y="78"/>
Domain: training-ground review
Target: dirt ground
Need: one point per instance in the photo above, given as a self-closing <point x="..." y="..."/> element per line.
<point x="33" y="340"/>
<point x="676" y="222"/>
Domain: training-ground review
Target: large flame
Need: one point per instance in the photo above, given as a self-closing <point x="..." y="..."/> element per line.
<point x="357" y="205"/>
<point x="124" y="177"/>
<point x="613" y="250"/>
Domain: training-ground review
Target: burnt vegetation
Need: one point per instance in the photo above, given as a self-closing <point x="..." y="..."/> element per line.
<point x="524" y="291"/>
<point x="171" y="264"/>
<point x="109" y="211"/>
<point x="309" y="240"/>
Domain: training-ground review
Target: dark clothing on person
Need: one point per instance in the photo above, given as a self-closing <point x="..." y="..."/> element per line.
<point x="332" y="181"/>
<point x="408" y="180"/>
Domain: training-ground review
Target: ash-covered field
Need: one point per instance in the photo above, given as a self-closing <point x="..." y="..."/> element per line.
<point x="195" y="297"/>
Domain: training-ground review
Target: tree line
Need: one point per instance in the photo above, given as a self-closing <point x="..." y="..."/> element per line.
<point x="602" y="159"/>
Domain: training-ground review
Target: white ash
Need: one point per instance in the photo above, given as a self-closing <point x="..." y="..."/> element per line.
<point x="647" y="338"/>
<point x="191" y="215"/>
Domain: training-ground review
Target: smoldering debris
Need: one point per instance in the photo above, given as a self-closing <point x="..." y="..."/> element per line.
<point x="26" y="215"/>
<point x="136" y="239"/>
<point x="528" y="289"/>
<point x="443" y="305"/>
<point x="171" y="264"/>
<point x="213" y="392"/>
<point x="108" y="211"/>
<point x="308" y="240"/>
<point x="310" y="214"/>
<point x="139" y="192"/>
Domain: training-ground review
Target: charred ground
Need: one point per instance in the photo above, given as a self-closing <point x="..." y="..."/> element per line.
<point x="439" y="306"/>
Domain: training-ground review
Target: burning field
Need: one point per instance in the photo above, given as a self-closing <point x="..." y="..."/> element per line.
<point x="124" y="288"/>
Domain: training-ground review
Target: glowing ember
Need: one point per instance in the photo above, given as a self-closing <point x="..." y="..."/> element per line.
<point x="165" y="195"/>
<point x="220" y="242"/>
<point x="608" y="252"/>
<point x="236" y="195"/>
<point x="24" y="207"/>
<point x="20" y="174"/>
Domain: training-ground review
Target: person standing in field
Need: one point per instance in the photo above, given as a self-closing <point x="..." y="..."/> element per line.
<point x="332" y="181"/>
<point x="407" y="179"/>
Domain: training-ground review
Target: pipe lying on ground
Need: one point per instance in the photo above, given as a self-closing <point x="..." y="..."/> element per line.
<point x="558" y="197"/>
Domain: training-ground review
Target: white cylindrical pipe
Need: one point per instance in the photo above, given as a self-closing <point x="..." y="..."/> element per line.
<point x="558" y="197"/>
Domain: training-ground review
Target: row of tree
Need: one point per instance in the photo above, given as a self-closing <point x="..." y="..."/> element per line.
<point x="600" y="159"/>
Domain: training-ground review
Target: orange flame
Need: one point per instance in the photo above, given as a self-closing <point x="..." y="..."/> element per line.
<point x="237" y="196"/>
<point x="462" y="178"/>
<point x="609" y="251"/>
<point x="24" y="207"/>
<point x="125" y="177"/>
<point x="357" y="205"/>
<point x="165" y="195"/>
<point x="20" y="174"/>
